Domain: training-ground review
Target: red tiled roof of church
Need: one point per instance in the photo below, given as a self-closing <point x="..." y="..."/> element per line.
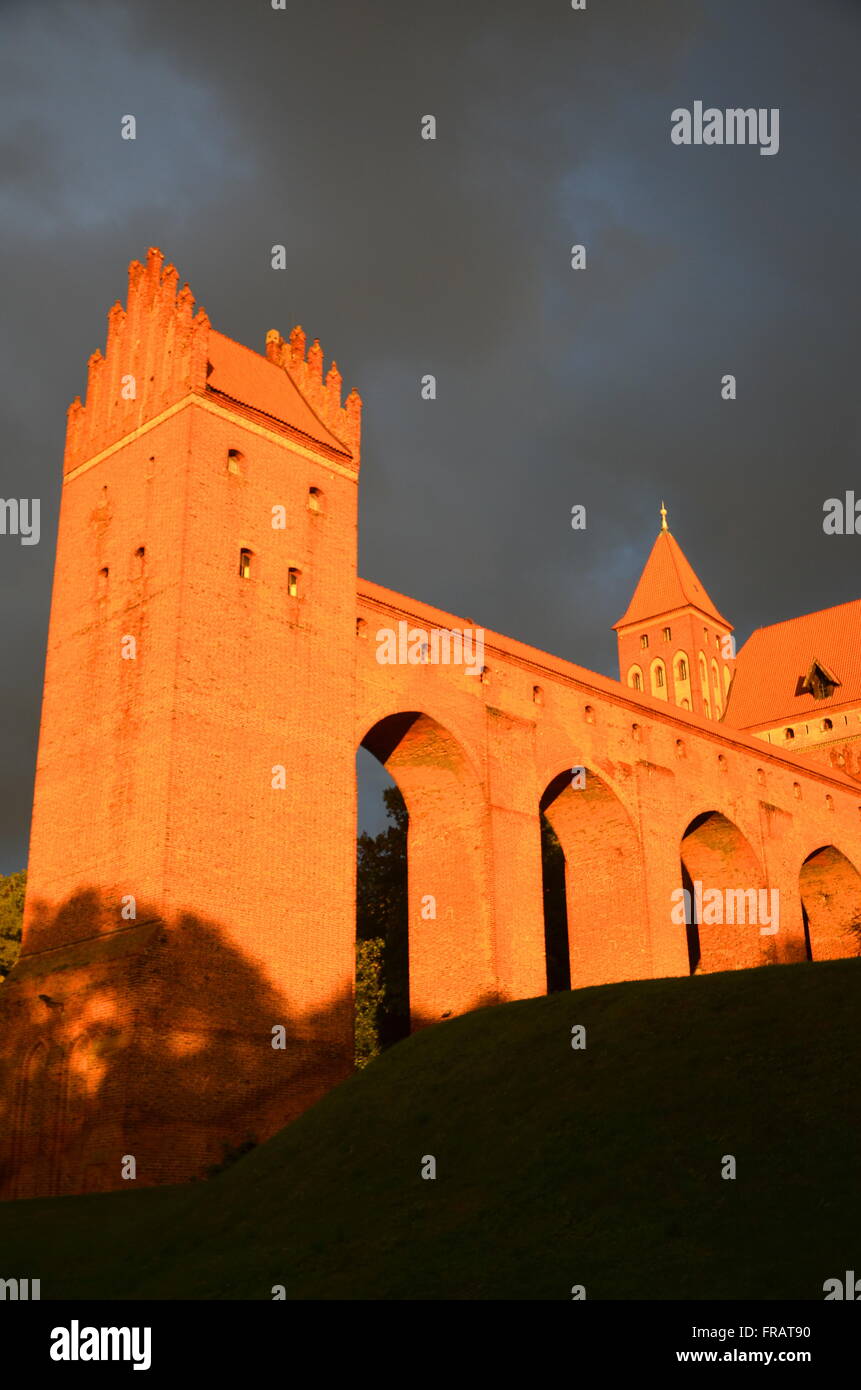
<point x="773" y="658"/>
<point x="668" y="583"/>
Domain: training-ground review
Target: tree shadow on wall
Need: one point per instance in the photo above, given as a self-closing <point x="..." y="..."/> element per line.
<point x="153" y="1041"/>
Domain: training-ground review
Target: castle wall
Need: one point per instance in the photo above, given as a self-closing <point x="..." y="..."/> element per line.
<point x="209" y="678"/>
<point x="651" y="772"/>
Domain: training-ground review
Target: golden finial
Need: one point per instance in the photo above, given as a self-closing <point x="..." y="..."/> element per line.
<point x="664" y="526"/>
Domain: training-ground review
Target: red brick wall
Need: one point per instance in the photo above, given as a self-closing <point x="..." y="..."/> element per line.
<point x="152" y="1036"/>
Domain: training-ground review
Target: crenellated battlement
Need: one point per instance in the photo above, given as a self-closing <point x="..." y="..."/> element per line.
<point x="323" y="395"/>
<point x="156" y="353"/>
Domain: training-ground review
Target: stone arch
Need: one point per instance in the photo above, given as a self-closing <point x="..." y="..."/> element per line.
<point x="635" y="677"/>
<point x="830" y="888"/>
<point x="717" y="858"/>
<point x="451" y="960"/>
<point x="35" y="1146"/>
<point x="604" y="881"/>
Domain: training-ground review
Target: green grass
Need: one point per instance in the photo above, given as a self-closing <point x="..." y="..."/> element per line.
<point x="554" y="1167"/>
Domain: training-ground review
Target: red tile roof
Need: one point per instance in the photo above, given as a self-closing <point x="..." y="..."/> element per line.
<point x="772" y="659"/>
<point x="668" y="583"/>
<point x="243" y="375"/>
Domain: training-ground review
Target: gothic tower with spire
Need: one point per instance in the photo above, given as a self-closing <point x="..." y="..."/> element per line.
<point x="673" y="642"/>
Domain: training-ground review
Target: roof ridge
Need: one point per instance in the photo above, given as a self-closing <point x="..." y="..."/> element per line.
<point x="799" y="617"/>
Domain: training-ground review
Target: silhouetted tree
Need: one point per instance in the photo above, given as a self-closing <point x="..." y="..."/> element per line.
<point x="11" y="918"/>
<point x="555" y="910"/>
<point x="382" y="951"/>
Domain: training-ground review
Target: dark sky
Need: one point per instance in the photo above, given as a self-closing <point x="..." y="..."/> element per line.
<point x="555" y="387"/>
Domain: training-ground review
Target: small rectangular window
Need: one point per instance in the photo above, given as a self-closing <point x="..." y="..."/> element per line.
<point x="293" y="583"/>
<point x="644" y="640"/>
<point x="667" y="634"/>
<point x="245" y="564"/>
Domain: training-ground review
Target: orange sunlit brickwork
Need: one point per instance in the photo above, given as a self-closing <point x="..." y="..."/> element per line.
<point x="186" y="980"/>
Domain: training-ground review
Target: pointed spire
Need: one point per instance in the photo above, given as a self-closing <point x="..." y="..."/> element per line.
<point x="668" y="582"/>
<point x="664" y="526"/>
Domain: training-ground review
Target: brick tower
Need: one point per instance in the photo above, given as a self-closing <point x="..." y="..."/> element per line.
<point x="673" y="642"/>
<point x="192" y="850"/>
<point x="185" y="985"/>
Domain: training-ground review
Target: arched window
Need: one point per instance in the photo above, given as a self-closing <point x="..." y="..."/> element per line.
<point x="293" y="583"/>
<point x="658" y="676"/>
<point x="635" y="677"/>
<point x="682" y="669"/>
<point x="826" y="725"/>
<point x="234" y="461"/>
<point x="704" y="685"/>
<point x="638" y="681"/>
<point x="716" y="688"/>
<point x="245" y="564"/>
<point x="315" y="500"/>
<point x="788" y="734"/>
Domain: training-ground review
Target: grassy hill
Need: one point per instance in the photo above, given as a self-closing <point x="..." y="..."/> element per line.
<point x="554" y="1167"/>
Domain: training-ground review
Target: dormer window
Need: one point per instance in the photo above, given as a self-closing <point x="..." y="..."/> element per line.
<point x="819" y="682"/>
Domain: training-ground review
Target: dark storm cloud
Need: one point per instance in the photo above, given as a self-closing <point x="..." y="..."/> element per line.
<point x="452" y="257"/>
